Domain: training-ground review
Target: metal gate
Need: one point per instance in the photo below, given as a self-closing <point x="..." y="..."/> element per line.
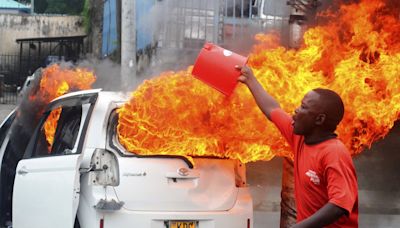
<point x="9" y="78"/>
<point x="190" y="23"/>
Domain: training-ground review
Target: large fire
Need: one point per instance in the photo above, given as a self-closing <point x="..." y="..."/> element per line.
<point x="56" y="81"/>
<point x="357" y="54"/>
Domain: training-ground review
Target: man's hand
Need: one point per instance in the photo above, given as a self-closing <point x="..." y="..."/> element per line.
<point x="246" y="74"/>
<point x="264" y="101"/>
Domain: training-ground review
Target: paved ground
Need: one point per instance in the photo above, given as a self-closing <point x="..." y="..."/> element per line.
<point x="378" y="178"/>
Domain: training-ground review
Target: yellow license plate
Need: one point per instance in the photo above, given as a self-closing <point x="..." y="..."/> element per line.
<point x="182" y="224"/>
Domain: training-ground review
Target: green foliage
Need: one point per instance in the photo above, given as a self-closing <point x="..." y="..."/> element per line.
<point x="40" y="6"/>
<point x="86" y="15"/>
<point x="70" y="7"/>
<point x="57" y="7"/>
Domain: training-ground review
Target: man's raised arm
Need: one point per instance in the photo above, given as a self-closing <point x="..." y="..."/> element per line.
<point x="264" y="101"/>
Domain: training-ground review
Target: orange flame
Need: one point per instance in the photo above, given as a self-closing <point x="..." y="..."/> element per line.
<point x="56" y="81"/>
<point x="50" y="126"/>
<point x="357" y="55"/>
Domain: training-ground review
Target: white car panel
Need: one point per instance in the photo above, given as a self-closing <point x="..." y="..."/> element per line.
<point x="45" y="194"/>
<point x="210" y="186"/>
<point x="49" y="185"/>
<point x="237" y="217"/>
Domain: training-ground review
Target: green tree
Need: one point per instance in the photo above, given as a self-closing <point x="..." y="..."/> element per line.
<point x="75" y="7"/>
<point x="70" y="7"/>
<point x="40" y="6"/>
<point x="57" y="7"/>
<point x="86" y="15"/>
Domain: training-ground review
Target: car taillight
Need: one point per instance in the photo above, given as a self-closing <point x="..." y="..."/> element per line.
<point x="101" y="223"/>
<point x="104" y="168"/>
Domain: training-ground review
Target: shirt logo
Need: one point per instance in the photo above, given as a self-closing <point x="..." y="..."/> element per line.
<point x="313" y="176"/>
<point x="227" y="53"/>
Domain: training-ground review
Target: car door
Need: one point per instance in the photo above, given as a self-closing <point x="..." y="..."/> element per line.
<point x="5" y="185"/>
<point x="4" y="130"/>
<point x="46" y="187"/>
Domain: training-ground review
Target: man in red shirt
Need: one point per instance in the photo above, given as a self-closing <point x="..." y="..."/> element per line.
<point x="325" y="179"/>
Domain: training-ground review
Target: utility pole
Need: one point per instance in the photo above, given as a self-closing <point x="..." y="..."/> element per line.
<point x="301" y="10"/>
<point x="128" y="44"/>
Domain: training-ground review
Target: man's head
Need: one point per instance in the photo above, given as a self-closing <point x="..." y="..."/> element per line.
<point x="320" y="109"/>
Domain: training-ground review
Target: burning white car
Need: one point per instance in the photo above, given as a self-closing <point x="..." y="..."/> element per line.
<point x="79" y="175"/>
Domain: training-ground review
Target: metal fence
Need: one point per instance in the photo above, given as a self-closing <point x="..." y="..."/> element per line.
<point x="9" y="73"/>
<point x="13" y="71"/>
<point x="9" y="67"/>
<point x="190" y="23"/>
<point x="244" y="18"/>
<point x="183" y="26"/>
<point x="8" y="93"/>
<point x="33" y="54"/>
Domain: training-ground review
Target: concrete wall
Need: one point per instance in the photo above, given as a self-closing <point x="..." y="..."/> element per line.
<point x="14" y="27"/>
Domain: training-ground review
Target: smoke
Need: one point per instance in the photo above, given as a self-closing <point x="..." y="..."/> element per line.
<point x="163" y="20"/>
<point x="173" y="50"/>
<point x="108" y="73"/>
<point x="182" y="27"/>
<point x="334" y="5"/>
<point x="29" y="112"/>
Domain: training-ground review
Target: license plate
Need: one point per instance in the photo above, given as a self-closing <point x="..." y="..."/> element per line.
<point x="182" y="224"/>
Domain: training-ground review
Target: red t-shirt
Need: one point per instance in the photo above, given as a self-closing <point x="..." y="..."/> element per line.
<point x="323" y="173"/>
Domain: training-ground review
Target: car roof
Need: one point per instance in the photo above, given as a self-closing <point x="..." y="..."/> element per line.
<point x="113" y="95"/>
<point x="77" y="93"/>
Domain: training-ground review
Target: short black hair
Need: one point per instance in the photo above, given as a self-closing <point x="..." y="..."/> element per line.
<point x="332" y="106"/>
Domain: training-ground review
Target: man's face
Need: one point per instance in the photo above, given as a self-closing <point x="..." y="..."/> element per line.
<point x="304" y="119"/>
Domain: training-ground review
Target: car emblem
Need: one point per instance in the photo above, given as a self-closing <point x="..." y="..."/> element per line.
<point x="183" y="172"/>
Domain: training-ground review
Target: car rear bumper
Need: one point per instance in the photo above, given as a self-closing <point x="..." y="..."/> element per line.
<point x="238" y="216"/>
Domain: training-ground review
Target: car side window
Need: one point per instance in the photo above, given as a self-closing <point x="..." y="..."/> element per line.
<point x="6" y="126"/>
<point x="67" y="130"/>
<point x="59" y="132"/>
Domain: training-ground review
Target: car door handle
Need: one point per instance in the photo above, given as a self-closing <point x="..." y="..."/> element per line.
<point x="22" y="171"/>
<point x="174" y="176"/>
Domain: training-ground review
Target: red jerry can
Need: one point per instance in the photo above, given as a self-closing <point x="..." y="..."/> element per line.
<point x="216" y="67"/>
